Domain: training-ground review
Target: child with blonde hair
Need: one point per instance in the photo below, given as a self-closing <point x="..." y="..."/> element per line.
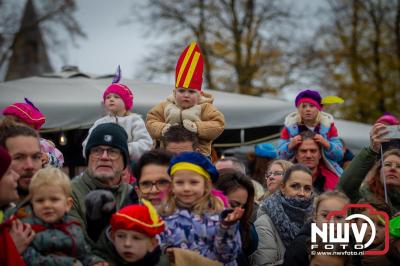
<point x="195" y="219"/>
<point x="59" y="239"/>
<point x="309" y="116"/>
<point x="189" y="106"/>
<point x="118" y="102"/>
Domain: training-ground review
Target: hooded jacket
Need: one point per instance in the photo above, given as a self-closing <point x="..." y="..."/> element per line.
<point x="209" y="120"/>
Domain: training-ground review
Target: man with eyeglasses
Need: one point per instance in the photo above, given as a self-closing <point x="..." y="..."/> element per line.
<point x="107" y="156"/>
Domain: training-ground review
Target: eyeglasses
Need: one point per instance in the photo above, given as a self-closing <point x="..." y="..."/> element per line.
<point x="276" y="173"/>
<point x="147" y="186"/>
<point x="112" y="153"/>
<point x="391" y="165"/>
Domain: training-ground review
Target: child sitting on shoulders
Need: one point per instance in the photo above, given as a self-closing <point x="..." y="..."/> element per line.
<point x="118" y="102"/>
<point x="309" y="116"/>
<point x="59" y="239"/>
<point x="189" y="105"/>
<point x="195" y="219"/>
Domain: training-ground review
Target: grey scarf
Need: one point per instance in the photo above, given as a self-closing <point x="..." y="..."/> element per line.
<point x="288" y="214"/>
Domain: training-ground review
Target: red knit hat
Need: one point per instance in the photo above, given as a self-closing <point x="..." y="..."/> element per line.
<point x="140" y="218"/>
<point x="189" y="69"/>
<point x="27" y="112"/>
<point x="123" y="91"/>
<point x="5" y="161"/>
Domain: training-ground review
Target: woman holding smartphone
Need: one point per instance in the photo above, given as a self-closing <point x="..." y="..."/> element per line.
<point x="371" y="174"/>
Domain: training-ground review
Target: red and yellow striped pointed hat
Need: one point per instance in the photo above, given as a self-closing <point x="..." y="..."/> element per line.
<point x="189" y="69"/>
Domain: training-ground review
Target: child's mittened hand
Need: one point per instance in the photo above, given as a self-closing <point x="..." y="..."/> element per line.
<point x="294" y="142"/>
<point x="189" y="125"/>
<point x="98" y="203"/>
<point x="165" y="129"/>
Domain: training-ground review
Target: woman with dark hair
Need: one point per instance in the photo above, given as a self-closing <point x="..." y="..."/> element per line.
<point x="240" y="192"/>
<point x="282" y="215"/>
<point x="153" y="181"/>
<point x="366" y="173"/>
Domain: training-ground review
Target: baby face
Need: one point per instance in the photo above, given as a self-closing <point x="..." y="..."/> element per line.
<point x="186" y="98"/>
<point x="114" y="104"/>
<point x="132" y="245"/>
<point x="50" y="203"/>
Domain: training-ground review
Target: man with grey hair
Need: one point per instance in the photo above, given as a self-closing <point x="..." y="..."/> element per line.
<point x="231" y="163"/>
<point x="107" y="155"/>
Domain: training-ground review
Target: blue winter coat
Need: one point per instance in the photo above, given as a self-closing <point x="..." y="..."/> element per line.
<point x="203" y="234"/>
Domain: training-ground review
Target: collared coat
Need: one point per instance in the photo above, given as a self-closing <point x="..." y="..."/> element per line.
<point x="209" y="120"/>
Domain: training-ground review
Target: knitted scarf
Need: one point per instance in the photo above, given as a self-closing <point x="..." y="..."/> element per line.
<point x="287" y="214"/>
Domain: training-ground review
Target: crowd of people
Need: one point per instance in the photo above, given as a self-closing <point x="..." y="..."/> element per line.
<point x="153" y="193"/>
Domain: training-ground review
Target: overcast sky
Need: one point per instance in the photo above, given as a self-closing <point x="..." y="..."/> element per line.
<point x="109" y="43"/>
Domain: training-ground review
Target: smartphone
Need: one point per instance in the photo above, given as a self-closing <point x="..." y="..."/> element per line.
<point x="390" y="145"/>
<point x="394" y="132"/>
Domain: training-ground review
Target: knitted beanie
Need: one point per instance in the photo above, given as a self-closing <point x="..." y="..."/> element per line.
<point x="388" y="119"/>
<point x="123" y="91"/>
<point x="309" y="96"/>
<point x="109" y="134"/>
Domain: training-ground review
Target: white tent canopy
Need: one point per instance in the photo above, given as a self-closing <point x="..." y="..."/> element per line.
<point x="74" y="100"/>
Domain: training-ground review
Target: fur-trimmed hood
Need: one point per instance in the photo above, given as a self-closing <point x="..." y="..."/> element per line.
<point x="204" y="98"/>
<point x="294" y="118"/>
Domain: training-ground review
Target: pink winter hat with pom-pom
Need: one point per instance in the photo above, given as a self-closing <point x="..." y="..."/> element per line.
<point x="120" y="89"/>
<point x="123" y="91"/>
<point x="388" y="119"/>
<point x="27" y="112"/>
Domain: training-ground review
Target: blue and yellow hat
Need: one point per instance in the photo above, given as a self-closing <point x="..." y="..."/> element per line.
<point x="195" y="162"/>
